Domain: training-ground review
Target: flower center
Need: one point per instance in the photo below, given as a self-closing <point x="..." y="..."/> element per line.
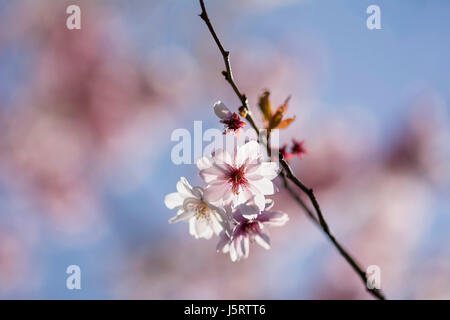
<point x="252" y="228"/>
<point x="202" y="212"/>
<point x="236" y="177"/>
<point x="233" y="123"/>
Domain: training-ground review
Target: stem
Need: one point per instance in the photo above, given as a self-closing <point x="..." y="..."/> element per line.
<point x="298" y="199"/>
<point x="309" y="192"/>
<point x="228" y="74"/>
<point x="287" y="173"/>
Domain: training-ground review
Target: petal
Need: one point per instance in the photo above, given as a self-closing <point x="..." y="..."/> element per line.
<point x="246" y="212"/>
<point x="216" y="192"/>
<point x="216" y="225"/>
<point x="264" y="186"/>
<point x="203" y="163"/>
<point x="233" y="254"/>
<point x="260" y="201"/>
<point x="220" y="220"/>
<point x="263" y="240"/>
<point x="207" y="234"/>
<point x="173" y="200"/>
<point x="244" y="195"/>
<point x="221" y="110"/>
<point x="252" y="171"/>
<point x="222" y="156"/>
<point x="197" y="192"/>
<point x="273" y="218"/>
<point x="184" y="188"/>
<point x="216" y="172"/>
<point x="183" y="216"/>
<point x="245" y="244"/>
<point x="238" y="246"/>
<point x="223" y="242"/>
<point x="200" y="228"/>
<point x="269" y="204"/>
<point x="192" y="230"/>
<point x="269" y="170"/>
<point x="249" y="153"/>
<point x="257" y="199"/>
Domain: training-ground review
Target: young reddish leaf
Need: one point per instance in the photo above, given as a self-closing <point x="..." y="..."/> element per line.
<point x="265" y="106"/>
<point x="285" y="123"/>
<point x="276" y="118"/>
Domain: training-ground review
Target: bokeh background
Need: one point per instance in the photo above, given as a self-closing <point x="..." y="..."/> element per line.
<point x="86" y="118"/>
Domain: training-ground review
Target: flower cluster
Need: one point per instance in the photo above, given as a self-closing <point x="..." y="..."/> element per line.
<point x="233" y="205"/>
<point x="297" y="149"/>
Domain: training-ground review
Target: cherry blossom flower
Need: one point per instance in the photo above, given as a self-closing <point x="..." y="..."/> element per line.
<point x="240" y="178"/>
<point x="204" y="218"/>
<point x="231" y="120"/>
<point x="250" y="227"/>
<point x="286" y="154"/>
<point x="298" y="148"/>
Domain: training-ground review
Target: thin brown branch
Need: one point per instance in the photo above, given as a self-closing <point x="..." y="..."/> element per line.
<point x="309" y="192"/>
<point x="298" y="199"/>
<point x="287" y="173"/>
<point x="228" y="73"/>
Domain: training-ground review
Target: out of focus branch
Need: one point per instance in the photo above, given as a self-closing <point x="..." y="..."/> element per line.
<point x="228" y="73"/>
<point x="298" y="199"/>
<point x="309" y="192"/>
<point x="287" y="172"/>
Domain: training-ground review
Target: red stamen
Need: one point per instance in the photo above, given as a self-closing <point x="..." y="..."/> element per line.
<point x="233" y="123"/>
<point x="236" y="177"/>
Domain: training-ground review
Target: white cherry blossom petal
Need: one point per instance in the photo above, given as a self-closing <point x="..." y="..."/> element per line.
<point x="203" y="163"/>
<point x="221" y="110"/>
<point x="273" y="218"/>
<point x="264" y="186"/>
<point x="263" y="240"/>
<point x="245" y="244"/>
<point x="221" y="156"/>
<point x="213" y="173"/>
<point x="173" y="200"/>
<point x="183" y="216"/>
<point x="184" y="188"/>
<point x="215" y="192"/>
<point x="249" y="153"/>
<point x="270" y="170"/>
<point x="222" y="245"/>
<point x="202" y="228"/>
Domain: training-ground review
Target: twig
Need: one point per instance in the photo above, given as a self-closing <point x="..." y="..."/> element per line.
<point x="287" y="174"/>
<point x="228" y="73"/>
<point x="298" y="199"/>
<point x="309" y="192"/>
